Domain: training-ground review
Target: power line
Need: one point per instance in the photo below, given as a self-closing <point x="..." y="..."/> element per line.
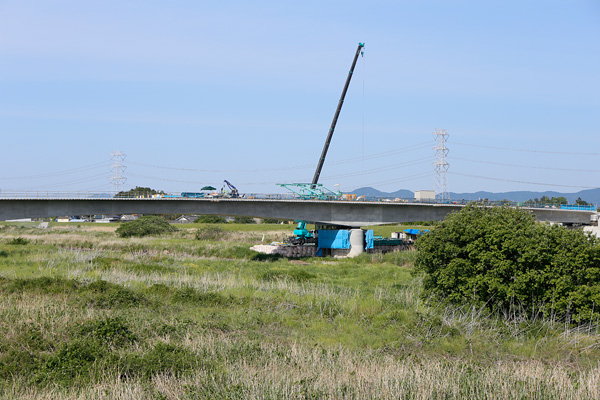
<point x="526" y="182"/>
<point x="343" y="161"/>
<point x="166" y="180"/>
<point x="398" y="180"/>
<point x="423" y="160"/>
<point x="526" y="150"/>
<point x="64" y="172"/>
<point x="62" y="184"/>
<point x="105" y="186"/>
<point x="526" y="166"/>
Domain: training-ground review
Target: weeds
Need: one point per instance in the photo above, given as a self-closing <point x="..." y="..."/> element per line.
<point x="104" y="294"/>
<point x="174" y="317"/>
<point x="19" y="241"/>
<point x="297" y="275"/>
<point x="107" y="332"/>
<point x="210" y="232"/>
<point x="164" y="359"/>
<point x="191" y="295"/>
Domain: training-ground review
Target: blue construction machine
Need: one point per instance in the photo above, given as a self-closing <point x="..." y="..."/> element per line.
<point x="233" y="192"/>
<point x="302" y="235"/>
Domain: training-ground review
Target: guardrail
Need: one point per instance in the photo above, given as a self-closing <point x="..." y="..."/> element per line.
<point x="40" y="195"/>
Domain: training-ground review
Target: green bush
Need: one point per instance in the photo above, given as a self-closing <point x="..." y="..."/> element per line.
<point x="104" y="294"/>
<point x="72" y="360"/>
<point x="148" y="225"/>
<point x="42" y="284"/>
<point x="209" y="233"/>
<point x="503" y="259"/>
<point x="243" y="220"/>
<point x="210" y="219"/>
<point x="165" y="359"/>
<point x="18" y="241"/>
<point x="191" y="295"/>
<point x="108" y="331"/>
<point x="274" y="221"/>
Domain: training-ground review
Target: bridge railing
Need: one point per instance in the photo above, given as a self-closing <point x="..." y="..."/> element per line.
<point x="54" y="195"/>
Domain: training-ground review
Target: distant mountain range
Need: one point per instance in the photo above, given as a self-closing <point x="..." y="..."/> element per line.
<point x="589" y="195"/>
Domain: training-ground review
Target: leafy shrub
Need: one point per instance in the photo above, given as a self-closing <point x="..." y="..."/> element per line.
<point x="15" y="362"/>
<point x="147" y="225"/>
<point x="3" y="253"/>
<point x="243" y="220"/>
<point x="502" y="258"/>
<point x="108" y="331"/>
<point x="138" y="192"/>
<point x="209" y="233"/>
<point x="18" y="241"/>
<point x="210" y="219"/>
<point x="191" y="295"/>
<point x="104" y="294"/>
<point x="163" y="358"/>
<point x="72" y="360"/>
<point x="275" y="221"/>
<point x="42" y="284"/>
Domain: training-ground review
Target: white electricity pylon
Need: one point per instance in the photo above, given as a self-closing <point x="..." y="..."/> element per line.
<point x="440" y="165"/>
<point x="118" y="168"/>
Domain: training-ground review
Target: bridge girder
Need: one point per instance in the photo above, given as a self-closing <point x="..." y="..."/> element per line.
<point x="346" y="213"/>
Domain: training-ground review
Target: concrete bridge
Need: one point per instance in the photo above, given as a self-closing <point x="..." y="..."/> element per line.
<point x="346" y="213"/>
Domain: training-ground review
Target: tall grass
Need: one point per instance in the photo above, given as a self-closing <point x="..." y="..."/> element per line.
<point x="84" y="314"/>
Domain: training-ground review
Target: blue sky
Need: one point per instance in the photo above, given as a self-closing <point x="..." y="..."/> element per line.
<point x="198" y="92"/>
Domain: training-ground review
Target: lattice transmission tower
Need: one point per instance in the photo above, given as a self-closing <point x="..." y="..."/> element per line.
<point x="118" y="168"/>
<point x="440" y="164"/>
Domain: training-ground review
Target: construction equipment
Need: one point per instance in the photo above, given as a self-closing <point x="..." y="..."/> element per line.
<point x="307" y="191"/>
<point x="233" y="190"/>
<point x="336" y="115"/>
<point x="302" y="235"/>
<point x="314" y="190"/>
<point x="317" y="191"/>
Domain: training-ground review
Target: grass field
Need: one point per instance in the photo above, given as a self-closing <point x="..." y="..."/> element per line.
<point x="85" y="314"/>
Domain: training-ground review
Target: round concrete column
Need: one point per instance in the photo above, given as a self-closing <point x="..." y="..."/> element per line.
<point x="357" y="242"/>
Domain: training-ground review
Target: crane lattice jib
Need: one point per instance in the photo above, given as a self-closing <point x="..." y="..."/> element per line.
<point x="336" y="115"/>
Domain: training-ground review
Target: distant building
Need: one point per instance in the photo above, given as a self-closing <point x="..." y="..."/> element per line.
<point x="425" y="195"/>
<point x="105" y="219"/>
<point x="186" y="219"/>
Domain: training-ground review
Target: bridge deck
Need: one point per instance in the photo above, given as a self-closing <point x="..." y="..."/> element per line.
<point x="349" y="213"/>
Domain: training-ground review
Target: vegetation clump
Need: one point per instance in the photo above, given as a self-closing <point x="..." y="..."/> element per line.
<point x="138" y="191"/>
<point x="501" y="258"/>
<point x="144" y="226"/>
<point x="210" y="219"/>
<point x="209" y="233"/>
<point x="102" y="294"/>
<point x="108" y="331"/>
<point x="243" y="220"/>
<point x="18" y="241"/>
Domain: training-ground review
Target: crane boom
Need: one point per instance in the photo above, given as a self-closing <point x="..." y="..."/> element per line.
<point x="335" y="117"/>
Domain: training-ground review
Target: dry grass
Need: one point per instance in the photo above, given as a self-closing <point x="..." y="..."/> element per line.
<point x="298" y="372"/>
<point x="284" y="338"/>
